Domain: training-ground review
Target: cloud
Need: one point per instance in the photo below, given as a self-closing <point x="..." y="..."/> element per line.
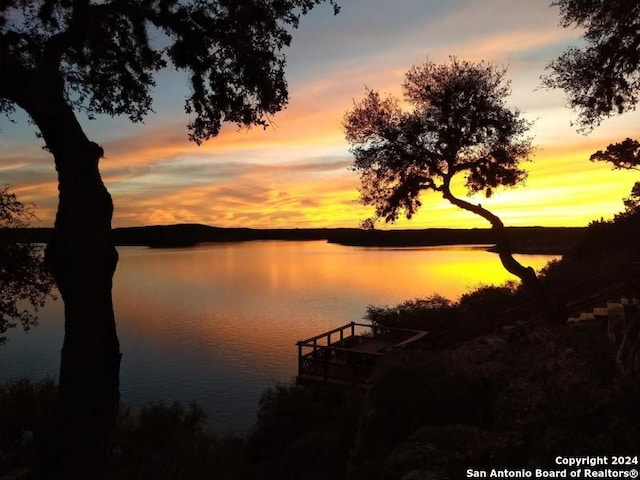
<point x="267" y="195"/>
<point x="295" y="172"/>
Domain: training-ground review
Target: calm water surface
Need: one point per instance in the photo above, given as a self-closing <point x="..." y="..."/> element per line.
<point x="218" y="323"/>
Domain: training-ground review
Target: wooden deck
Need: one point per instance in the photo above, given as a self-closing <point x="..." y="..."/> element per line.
<point x="347" y="355"/>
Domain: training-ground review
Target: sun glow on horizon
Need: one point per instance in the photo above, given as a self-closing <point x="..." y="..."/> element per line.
<point x="295" y="173"/>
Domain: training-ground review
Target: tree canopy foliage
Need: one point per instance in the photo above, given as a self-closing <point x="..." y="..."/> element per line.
<point x="104" y="54"/>
<point x="631" y="203"/>
<point x="23" y="280"/>
<point x="624" y="155"/>
<point x="457" y="123"/>
<point x="61" y="57"/>
<point x="603" y="77"/>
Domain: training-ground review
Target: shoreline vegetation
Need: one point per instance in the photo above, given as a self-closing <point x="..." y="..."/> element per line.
<point x="527" y="240"/>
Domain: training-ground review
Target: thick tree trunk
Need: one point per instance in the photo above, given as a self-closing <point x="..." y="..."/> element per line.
<point x="82" y="258"/>
<point x="527" y="275"/>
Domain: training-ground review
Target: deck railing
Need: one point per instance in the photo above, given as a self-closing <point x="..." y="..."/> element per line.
<point x="342" y="356"/>
<point x="339" y="355"/>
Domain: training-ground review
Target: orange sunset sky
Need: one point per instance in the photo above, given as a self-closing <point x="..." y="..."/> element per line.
<point x="295" y="174"/>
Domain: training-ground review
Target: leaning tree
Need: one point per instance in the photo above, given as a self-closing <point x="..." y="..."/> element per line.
<point x="61" y="57"/>
<point x="457" y="124"/>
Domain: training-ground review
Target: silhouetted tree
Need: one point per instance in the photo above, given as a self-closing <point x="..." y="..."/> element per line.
<point x="58" y="57"/>
<point x="23" y="280"/>
<point x="458" y="125"/>
<point x="631" y="203"/>
<point x="624" y="156"/>
<point x="602" y="78"/>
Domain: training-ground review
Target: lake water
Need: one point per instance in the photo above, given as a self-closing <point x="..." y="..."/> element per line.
<point x="218" y="323"/>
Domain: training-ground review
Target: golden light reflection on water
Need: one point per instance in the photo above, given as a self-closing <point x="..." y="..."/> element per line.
<point x="267" y="295"/>
<point x="218" y="324"/>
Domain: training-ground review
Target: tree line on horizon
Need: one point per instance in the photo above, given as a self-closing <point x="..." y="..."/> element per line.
<point x="60" y="57"/>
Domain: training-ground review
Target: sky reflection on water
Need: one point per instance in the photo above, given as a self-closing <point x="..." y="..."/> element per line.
<point x="218" y="323"/>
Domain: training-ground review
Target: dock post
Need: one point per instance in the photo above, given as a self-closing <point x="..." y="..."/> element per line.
<point x="326" y="364"/>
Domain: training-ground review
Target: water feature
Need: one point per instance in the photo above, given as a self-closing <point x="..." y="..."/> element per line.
<point x="218" y="323"/>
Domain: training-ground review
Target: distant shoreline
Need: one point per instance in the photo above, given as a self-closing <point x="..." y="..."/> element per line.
<point x="526" y="240"/>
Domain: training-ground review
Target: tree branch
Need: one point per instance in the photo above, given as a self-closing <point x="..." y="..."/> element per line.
<point x="526" y="274"/>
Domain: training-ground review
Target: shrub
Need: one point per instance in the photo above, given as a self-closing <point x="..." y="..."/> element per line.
<point x="162" y="441"/>
<point x="302" y="433"/>
<point x="169" y="441"/>
<point x="488" y="300"/>
<point x="24" y="408"/>
<point x="285" y="412"/>
<point x="438" y="314"/>
<point x="434" y="313"/>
